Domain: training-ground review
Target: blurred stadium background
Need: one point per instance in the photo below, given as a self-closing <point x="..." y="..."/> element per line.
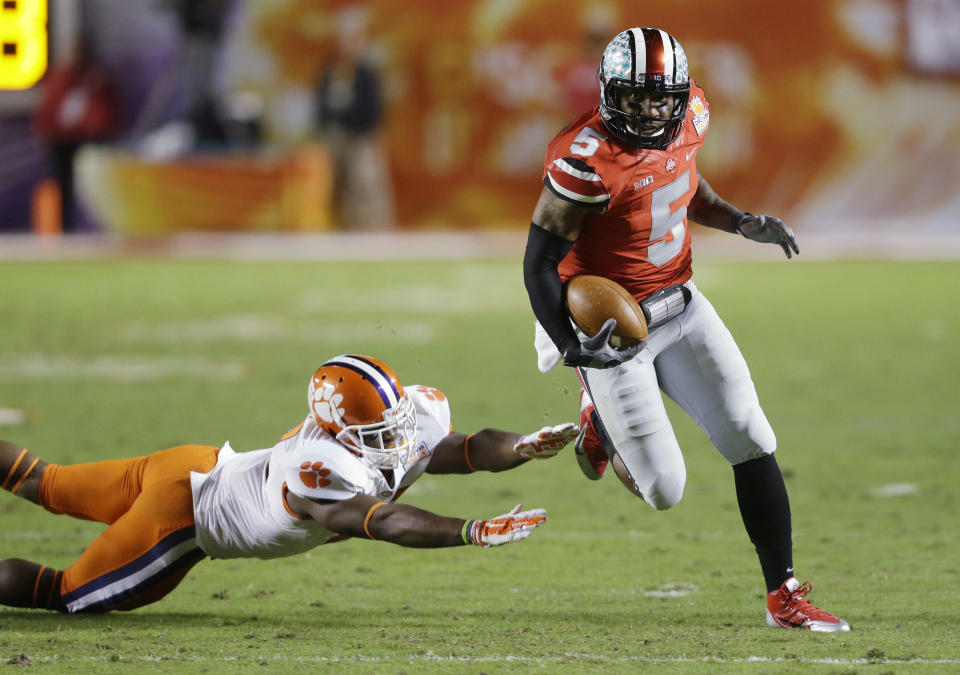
<point x="841" y="115"/>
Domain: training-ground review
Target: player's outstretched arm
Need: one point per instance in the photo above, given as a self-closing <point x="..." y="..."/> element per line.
<point x="405" y="525"/>
<point x="709" y="209"/>
<point x="496" y="450"/>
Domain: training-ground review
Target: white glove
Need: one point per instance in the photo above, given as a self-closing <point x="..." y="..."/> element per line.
<point x="547" y="442"/>
<point x="512" y="526"/>
<point x="768" y="230"/>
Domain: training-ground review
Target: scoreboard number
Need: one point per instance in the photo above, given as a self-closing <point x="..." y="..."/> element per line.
<point x="24" y="40"/>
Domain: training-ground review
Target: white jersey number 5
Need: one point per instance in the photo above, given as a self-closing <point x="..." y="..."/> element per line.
<point x="586" y="142"/>
<point x="665" y="220"/>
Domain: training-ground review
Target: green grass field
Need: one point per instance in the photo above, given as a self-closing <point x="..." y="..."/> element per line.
<point x="856" y="366"/>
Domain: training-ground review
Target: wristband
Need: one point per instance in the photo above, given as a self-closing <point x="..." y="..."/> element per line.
<point x="466" y="452"/>
<point x="736" y="219"/>
<point x="467" y="532"/>
<point x="366" y="521"/>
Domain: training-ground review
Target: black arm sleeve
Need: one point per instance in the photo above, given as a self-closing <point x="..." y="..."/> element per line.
<point x="544" y="252"/>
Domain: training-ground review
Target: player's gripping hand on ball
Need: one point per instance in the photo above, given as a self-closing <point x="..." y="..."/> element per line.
<point x="512" y="526"/>
<point x="597" y="352"/>
<point x="547" y="442"/>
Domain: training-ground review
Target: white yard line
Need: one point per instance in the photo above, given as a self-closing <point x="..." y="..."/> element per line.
<point x="117" y="368"/>
<point x="12" y="417"/>
<point x="893" y="490"/>
<point x="262" y="328"/>
<point x="430" y="657"/>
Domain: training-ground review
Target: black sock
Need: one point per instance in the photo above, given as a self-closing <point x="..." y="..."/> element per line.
<point x="765" y="509"/>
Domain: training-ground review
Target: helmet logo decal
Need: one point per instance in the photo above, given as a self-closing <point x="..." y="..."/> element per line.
<point x="325" y="402"/>
<point x="681" y="68"/>
<point x="701" y="116"/>
<point x="314" y="475"/>
<point x="617" y="58"/>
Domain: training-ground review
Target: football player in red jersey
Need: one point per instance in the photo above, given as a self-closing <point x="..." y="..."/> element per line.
<point x="620" y="183"/>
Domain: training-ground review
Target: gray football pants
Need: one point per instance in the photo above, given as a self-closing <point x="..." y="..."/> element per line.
<point x="694" y="360"/>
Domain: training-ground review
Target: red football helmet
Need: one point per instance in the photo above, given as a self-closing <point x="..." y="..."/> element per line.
<point x="361" y="402"/>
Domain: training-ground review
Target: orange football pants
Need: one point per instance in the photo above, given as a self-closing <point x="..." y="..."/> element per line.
<point x="150" y="544"/>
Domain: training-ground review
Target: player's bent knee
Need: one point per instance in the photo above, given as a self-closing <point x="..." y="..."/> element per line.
<point x="661" y="490"/>
<point x="666" y="490"/>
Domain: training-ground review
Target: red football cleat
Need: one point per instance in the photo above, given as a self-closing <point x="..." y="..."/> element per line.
<point x="787" y="607"/>
<point x="588" y="448"/>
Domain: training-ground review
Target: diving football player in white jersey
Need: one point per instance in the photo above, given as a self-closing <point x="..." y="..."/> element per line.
<point x="338" y="474"/>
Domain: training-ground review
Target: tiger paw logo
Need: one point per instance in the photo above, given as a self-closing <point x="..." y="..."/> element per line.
<point x="325" y="402"/>
<point x="314" y="475"/>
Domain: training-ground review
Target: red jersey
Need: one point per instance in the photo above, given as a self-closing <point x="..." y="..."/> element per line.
<point x="640" y="239"/>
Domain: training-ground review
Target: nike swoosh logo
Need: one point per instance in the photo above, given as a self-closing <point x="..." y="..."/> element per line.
<point x="690" y="154"/>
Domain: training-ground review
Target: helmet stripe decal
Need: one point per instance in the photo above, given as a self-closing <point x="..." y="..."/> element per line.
<point x="386" y="383"/>
<point x="363" y="371"/>
<point x="655" y="49"/>
<point x="635" y="53"/>
<point x="388" y="393"/>
<point x="669" y="68"/>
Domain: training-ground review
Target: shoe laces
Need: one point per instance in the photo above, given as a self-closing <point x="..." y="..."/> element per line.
<point x="797" y="603"/>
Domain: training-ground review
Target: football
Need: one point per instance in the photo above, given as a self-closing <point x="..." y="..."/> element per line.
<point x="591" y="300"/>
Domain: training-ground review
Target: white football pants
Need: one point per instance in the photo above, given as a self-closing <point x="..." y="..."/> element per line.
<point x="695" y="361"/>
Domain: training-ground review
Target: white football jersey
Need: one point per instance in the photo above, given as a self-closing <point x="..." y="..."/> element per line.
<point x="240" y="507"/>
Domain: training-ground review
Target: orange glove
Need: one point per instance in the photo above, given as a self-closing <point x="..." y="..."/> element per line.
<point x="512" y="526"/>
<point x="547" y="442"/>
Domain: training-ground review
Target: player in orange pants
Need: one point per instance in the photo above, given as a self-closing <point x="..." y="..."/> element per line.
<point x="141" y="557"/>
<point x="337" y="474"/>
